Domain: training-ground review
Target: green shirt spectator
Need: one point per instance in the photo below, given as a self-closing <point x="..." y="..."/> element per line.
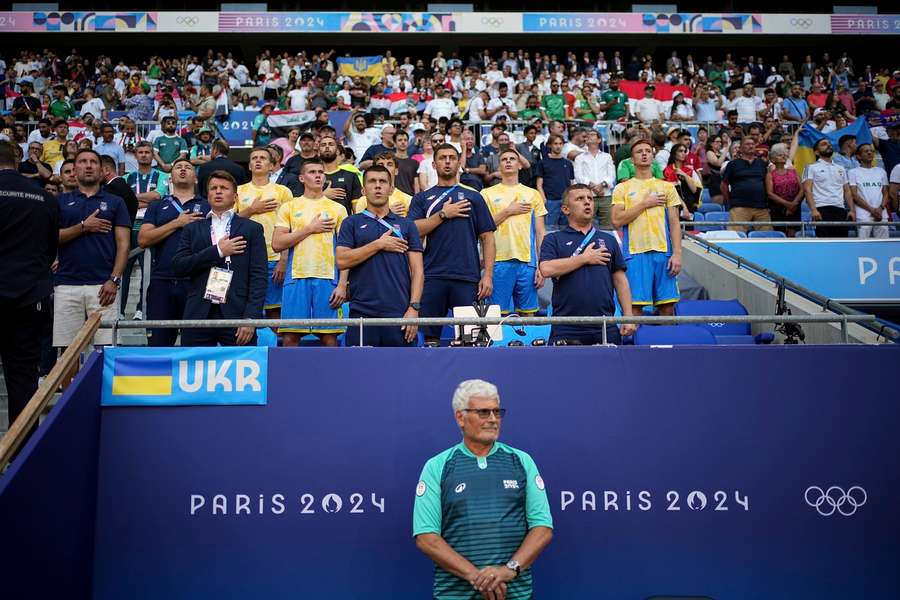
<point x="555" y="105"/>
<point x="626" y="170"/>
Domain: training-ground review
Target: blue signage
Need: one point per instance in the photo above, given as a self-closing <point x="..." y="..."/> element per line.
<point x="184" y="376"/>
<point x="845" y="270"/>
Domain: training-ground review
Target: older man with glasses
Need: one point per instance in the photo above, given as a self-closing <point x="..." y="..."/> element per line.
<point x="481" y="511"/>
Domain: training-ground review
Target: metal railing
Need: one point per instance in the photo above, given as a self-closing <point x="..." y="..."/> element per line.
<point x="843" y="319"/>
<point x="802" y="226"/>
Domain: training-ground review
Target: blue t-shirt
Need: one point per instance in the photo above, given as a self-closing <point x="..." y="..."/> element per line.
<point x="89" y="258"/>
<point x="797" y="108"/>
<point x="158" y="214"/>
<point x="890" y="154"/>
<point x="112" y="150"/>
<point x="588" y="290"/>
<point x="379" y="287"/>
<point x="451" y="250"/>
<point x="557" y="173"/>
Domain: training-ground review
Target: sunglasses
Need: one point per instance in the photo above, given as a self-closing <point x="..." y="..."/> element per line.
<point x="485" y="413"/>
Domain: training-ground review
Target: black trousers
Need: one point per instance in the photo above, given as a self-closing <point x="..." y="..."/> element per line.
<point x="165" y="301"/>
<point x="832" y="213"/>
<point x="20" y="351"/>
<point x="212" y="336"/>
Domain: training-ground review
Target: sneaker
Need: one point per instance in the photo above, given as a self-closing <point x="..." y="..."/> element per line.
<point x="138" y="315"/>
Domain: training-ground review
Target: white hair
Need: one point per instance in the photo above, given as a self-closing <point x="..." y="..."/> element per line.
<point x="470" y="388"/>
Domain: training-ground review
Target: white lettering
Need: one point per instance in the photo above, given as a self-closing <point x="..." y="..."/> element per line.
<point x="220" y="503"/>
<point x="197" y="502"/>
<point x="277" y="504"/>
<point x="248" y="375"/>
<point x="864" y="274"/>
<point x="588" y="499"/>
<point x="215" y="378"/>
<point x="241" y="503"/>
<point x="610" y="499"/>
<point x="566" y="498"/>
<point x="893" y="270"/>
<point x="644" y="500"/>
<point x="183" y="383"/>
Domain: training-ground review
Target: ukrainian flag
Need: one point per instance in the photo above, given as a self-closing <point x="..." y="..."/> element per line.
<point x="808" y="137"/>
<point x="362" y="66"/>
<point x="142" y="376"/>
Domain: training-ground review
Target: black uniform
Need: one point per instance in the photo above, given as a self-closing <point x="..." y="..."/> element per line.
<point x="29" y="236"/>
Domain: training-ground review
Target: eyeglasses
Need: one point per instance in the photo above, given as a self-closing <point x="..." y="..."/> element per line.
<point x="438" y="140"/>
<point x="484" y="413"/>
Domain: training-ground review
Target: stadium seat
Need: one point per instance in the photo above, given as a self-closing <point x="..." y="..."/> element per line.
<point x="725" y="333"/>
<point x="716" y="215"/>
<point x="704" y="197"/>
<point x="767" y="234"/>
<point x="673" y="335"/>
<point x="723" y="235"/>
<point x="708" y="207"/>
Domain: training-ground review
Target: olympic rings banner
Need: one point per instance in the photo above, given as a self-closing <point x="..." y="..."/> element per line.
<point x="446" y="22"/>
<point x="738" y="473"/>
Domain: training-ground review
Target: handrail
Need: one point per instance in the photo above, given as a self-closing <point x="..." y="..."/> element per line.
<point x="28" y="418"/>
<point x="797" y="224"/>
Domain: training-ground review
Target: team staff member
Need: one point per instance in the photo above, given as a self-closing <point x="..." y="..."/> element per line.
<point x="481" y="511"/>
<point x="647" y="209"/>
<point x="161" y="230"/>
<point x="259" y="200"/>
<point x="29" y="234"/>
<point x="454" y="219"/>
<point x="307" y="226"/>
<point x="383" y="253"/>
<point x="518" y="213"/>
<point x="399" y="200"/>
<point x="227" y="243"/>
<point x="94" y="235"/>
<point x="586" y="265"/>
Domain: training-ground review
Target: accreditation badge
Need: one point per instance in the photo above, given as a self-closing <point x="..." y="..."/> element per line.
<point x="217" y="285"/>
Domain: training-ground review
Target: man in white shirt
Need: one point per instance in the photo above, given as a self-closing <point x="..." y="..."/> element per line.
<point x="502" y="104"/>
<point x="748" y="105"/>
<point x="595" y="169"/>
<point x="357" y="136"/>
<point x="827" y="191"/>
<point x="577" y="143"/>
<point x="297" y="96"/>
<point x="894" y="188"/>
<point x="442" y="106"/>
<point x="648" y="109"/>
<point x="869" y="186"/>
<point x="478" y="106"/>
<point x="92" y="105"/>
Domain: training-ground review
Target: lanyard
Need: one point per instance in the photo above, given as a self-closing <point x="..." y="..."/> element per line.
<point x="584" y="242"/>
<point x="439" y="200"/>
<point x="395" y="230"/>
<point x="144" y="182"/>
<point x="177" y="206"/>
<point x="215" y="242"/>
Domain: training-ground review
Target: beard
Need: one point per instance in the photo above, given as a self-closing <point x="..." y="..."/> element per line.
<point x="826" y="153"/>
<point x="328" y="157"/>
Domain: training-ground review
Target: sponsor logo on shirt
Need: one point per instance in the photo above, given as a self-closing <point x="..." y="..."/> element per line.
<point x="510" y="484"/>
<point x="420" y="489"/>
<point x="364" y="225"/>
<point x="459" y="489"/>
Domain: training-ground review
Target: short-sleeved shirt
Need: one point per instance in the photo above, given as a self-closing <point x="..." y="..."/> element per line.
<point x="161" y="212"/>
<point x="249" y="192"/>
<point x="796" y="107"/>
<point x="451" y="250"/>
<point x="649" y="232"/>
<point x="747" y="181"/>
<point x="618" y="110"/>
<point x="141" y="183"/>
<point x="397" y="197"/>
<point x="557" y="174"/>
<point x="379" y="286"/>
<point x="828" y="180"/>
<point x="170" y="147"/>
<point x="626" y="170"/>
<point x="111" y="149"/>
<point x="89" y="258"/>
<point x="555" y="105"/>
<point x="407" y="170"/>
<point x="483" y="507"/>
<point x="349" y="182"/>
<point x="869" y="183"/>
<point x="515" y="237"/>
<point x="314" y="256"/>
<point x="473" y="181"/>
<point x="587" y="291"/>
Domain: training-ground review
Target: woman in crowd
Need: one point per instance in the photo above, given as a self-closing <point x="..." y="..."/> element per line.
<point x="681" y="110"/>
<point x="426" y="173"/>
<point x="715" y="158"/>
<point x="686" y="179"/>
<point x="783" y="189"/>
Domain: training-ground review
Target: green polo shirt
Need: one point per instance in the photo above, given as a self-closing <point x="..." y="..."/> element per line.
<point x="618" y="110"/>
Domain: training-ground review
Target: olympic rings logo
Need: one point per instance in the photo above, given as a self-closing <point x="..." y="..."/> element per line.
<point x="835" y="499"/>
<point x="804" y="23"/>
<point x="492" y="21"/>
<point x="188" y="21"/>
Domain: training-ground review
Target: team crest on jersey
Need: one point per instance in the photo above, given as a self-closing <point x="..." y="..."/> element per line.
<point x="460" y="196"/>
<point x="510" y="484"/>
<point x="459" y="489"/>
<point x="103" y="206"/>
<point x="539" y="482"/>
<point x="420" y="489"/>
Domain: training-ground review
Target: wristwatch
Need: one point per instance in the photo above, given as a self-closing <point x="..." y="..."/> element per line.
<point x="415" y="305"/>
<point x="513" y="565"/>
<point x="117" y="281"/>
<point x="442" y="215"/>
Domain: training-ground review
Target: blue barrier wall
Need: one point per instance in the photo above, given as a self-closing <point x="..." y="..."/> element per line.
<point x="669" y="471"/>
<point x="48" y="499"/>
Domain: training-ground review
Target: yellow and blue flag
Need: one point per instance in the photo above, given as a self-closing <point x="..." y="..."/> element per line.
<point x="142" y="376"/>
<point x="362" y="66"/>
<point x="808" y="137"/>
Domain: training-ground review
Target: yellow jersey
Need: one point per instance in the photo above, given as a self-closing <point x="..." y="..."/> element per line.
<point x="314" y="256"/>
<point x="515" y="237"/>
<point x="398" y="197"/>
<point x="249" y="192"/>
<point x="649" y="232"/>
<point x="52" y="152"/>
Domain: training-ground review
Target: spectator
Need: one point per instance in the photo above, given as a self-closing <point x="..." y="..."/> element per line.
<point x="614" y="101"/>
<point x="869" y="187"/>
<point x="169" y="145"/>
<point x="307" y="227"/>
<point x="426" y="172"/>
<point x="474" y="168"/>
<point x="518" y="212"/>
<point x="648" y="109"/>
<point x="106" y="146"/>
<point x="386" y="145"/>
<point x="502" y="105"/>
<point x="747" y="105"/>
<point x="827" y="191"/>
<point x="686" y="180"/>
<point x="595" y="169"/>
<point x="384" y="263"/>
<point x="889" y="148"/>
<point x="259" y="200"/>
<point x="454" y="220"/>
<point x="846" y="157"/>
<point x="586" y="266"/>
<point x="680" y="110"/>
<point x="161" y="230"/>
<point x="553" y="175"/>
<point x="224" y="256"/>
<point x="554" y="103"/>
<point x="33" y="167"/>
<point x="647" y="210"/>
<point x="398" y="201"/>
<point x="220" y="162"/>
<point x="93" y="249"/>
<point x="27" y="107"/>
<point x="357" y="134"/>
<point x="783" y="189"/>
<point x="29" y="235"/>
<point x="744" y="187"/>
<point x="407" y="168"/>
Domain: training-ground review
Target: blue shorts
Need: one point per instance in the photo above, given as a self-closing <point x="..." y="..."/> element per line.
<point x="274" y="290"/>
<point x="309" y="299"/>
<point x="648" y="276"/>
<point x="514" y="287"/>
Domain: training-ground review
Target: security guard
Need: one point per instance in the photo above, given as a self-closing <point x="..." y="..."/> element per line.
<point x="29" y="236"/>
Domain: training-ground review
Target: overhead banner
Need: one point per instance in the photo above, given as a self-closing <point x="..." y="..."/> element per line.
<point x="184" y="376"/>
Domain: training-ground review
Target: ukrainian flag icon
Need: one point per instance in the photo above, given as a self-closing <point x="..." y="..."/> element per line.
<point x="142" y="376"/>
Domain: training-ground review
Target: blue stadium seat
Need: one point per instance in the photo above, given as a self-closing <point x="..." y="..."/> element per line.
<point x="709" y="206"/>
<point x="767" y="234"/>
<point x="704" y="197"/>
<point x="716" y="215"/>
<point x="673" y="335"/>
<point x="725" y="333"/>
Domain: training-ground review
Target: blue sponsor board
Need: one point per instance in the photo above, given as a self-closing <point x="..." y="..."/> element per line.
<point x="844" y="270"/>
<point x="184" y="376"/>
